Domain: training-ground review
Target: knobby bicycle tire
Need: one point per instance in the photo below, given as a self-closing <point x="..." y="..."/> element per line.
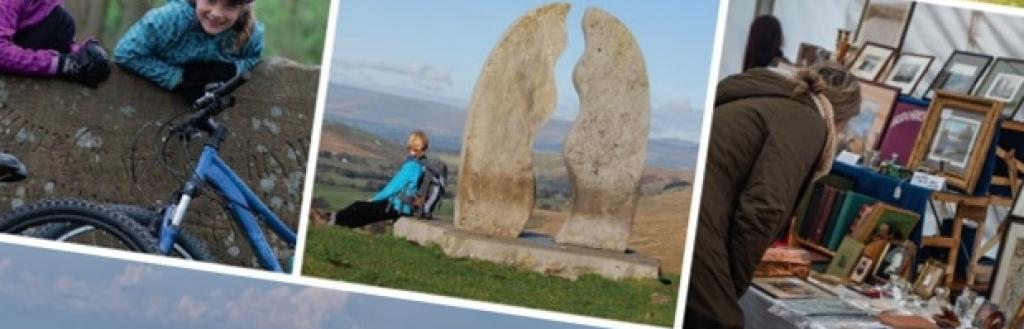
<point x="186" y="246"/>
<point x="126" y="231"/>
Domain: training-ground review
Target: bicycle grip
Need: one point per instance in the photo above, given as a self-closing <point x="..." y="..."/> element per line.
<point x="235" y="82"/>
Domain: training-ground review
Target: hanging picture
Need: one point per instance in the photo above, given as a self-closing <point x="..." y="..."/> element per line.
<point x="1004" y="83"/>
<point x="901" y="134"/>
<point x="1007" y="287"/>
<point x="956" y="137"/>
<point x="864" y="131"/>
<point x="908" y="71"/>
<point x="961" y="72"/>
<point x="884" y="22"/>
<point x="871" y="60"/>
<point x="789" y="288"/>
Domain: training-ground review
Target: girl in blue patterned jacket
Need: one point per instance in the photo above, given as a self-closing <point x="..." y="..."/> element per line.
<point x="186" y="44"/>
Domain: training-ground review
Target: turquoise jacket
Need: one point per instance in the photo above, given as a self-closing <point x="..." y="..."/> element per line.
<point x="402" y="186"/>
<point x="168" y="37"/>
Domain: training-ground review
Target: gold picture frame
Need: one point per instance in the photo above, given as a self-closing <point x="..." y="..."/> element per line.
<point x="928" y="278"/>
<point x="952" y="118"/>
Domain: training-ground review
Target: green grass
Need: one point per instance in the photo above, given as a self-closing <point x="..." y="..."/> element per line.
<point x="387" y="261"/>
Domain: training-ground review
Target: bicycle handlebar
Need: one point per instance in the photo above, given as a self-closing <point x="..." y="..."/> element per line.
<point x="221" y="89"/>
<point x="212" y="103"/>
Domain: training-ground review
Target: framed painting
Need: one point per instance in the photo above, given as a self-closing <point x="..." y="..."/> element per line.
<point x="928" y="278"/>
<point x="864" y="131"/>
<point x="895" y="260"/>
<point x="1004" y="83"/>
<point x="956" y="137"/>
<point x="846" y="258"/>
<point x="862" y="269"/>
<point x="901" y="133"/>
<point x="871" y="60"/>
<point x="1007" y="287"/>
<point x="961" y="72"/>
<point x="907" y="72"/>
<point x="790" y="288"/>
<point x="884" y="22"/>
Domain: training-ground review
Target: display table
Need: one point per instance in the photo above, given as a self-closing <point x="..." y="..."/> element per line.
<point x="763" y="311"/>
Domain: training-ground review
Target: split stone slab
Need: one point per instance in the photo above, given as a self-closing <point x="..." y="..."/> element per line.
<point x="605" y="150"/>
<point x="514" y="96"/>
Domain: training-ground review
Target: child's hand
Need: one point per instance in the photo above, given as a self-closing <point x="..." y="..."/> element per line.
<point x="88" y="65"/>
<point x="200" y="74"/>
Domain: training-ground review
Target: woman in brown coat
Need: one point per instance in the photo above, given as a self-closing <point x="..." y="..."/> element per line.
<point x="773" y="131"/>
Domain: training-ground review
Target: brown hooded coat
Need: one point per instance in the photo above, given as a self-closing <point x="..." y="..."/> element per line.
<point x="764" y="146"/>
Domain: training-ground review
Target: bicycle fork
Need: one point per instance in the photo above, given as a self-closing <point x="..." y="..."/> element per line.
<point x="173" y="215"/>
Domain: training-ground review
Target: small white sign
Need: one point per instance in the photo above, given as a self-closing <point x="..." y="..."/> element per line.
<point x="848" y="158"/>
<point x="927" y="181"/>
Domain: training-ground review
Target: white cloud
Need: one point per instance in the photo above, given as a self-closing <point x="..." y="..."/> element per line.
<point x="135" y="274"/>
<point x="306" y="308"/>
<point x="190" y="308"/>
<point x="5" y="264"/>
<point x="676" y="119"/>
<point x="422" y="75"/>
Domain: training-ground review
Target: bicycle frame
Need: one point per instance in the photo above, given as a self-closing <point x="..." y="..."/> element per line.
<point x="211" y="169"/>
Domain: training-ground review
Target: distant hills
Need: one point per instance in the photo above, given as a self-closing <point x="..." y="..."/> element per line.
<point x="392" y="117"/>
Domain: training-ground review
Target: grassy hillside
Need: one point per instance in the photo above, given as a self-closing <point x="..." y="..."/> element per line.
<point x="382" y="260"/>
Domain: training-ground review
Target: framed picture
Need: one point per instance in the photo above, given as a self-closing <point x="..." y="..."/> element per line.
<point x="810" y="54"/>
<point x="884" y="22"/>
<point x="1004" y="83"/>
<point x="902" y="130"/>
<point x="908" y="71"/>
<point x="961" y="72"/>
<point x="928" y="278"/>
<point x="1007" y="287"/>
<point x="846" y="258"/>
<point x="871" y="60"/>
<point x="864" y="131"/>
<point x="956" y="137"/>
<point x="884" y="222"/>
<point x="790" y="288"/>
<point x="896" y="259"/>
<point x="862" y="269"/>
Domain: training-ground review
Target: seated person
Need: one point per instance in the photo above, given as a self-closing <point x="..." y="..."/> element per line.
<point x="393" y="200"/>
<point x="37" y="39"/>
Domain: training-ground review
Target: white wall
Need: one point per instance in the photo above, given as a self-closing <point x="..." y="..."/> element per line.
<point x="740" y="14"/>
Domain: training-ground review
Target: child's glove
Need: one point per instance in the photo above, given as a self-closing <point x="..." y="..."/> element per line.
<point x="88" y="65"/>
<point x="200" y="74"/>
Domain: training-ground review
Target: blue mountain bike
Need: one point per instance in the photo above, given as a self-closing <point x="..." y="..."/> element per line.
<point x="162" y="231"/>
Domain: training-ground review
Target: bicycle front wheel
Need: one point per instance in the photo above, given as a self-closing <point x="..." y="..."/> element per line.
<point x="186" y="245"/>
<point x="107" y="229"/>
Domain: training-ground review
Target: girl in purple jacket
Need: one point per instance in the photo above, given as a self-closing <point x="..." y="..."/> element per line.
<point x="37" y="39"/>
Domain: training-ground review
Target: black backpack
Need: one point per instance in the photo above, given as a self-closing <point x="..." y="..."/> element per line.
<point x="430" y="189"/>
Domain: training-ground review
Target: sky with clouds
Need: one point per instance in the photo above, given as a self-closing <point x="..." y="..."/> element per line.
<point x="437" y="48"/>
<point x="42" y="288"/>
